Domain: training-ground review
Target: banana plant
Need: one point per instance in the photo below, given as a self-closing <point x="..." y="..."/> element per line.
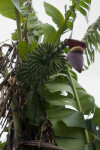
<point x="45" y="105"/>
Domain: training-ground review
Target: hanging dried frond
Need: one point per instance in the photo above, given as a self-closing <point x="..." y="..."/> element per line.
<point x="8" y="62"/>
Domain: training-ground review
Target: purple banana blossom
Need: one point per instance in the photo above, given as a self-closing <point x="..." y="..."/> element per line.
<point x="75" y="55"/>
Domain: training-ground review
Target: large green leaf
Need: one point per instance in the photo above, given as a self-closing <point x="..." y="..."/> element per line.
<point x="82" y="11"/>
<point x="77" y="85"/>
<point x="97" y="144"/>
<point x="16" y="4"/>
<point x="61" y="130"/>
<point x="94" y="130"/>
<point x="55" y="87"/>
<point x="22" y="48"/>
<point x="91" y="126"/>
<point x="60" y="78"/>
<point x="74" y="119"/>
<point x="82" y="93"/>
<point x="7" y="8"/>
<point x="88" y="104"/>
<point x="70" y="143"/>
<point x="71" y="138"/>
<point x="62" y="83"/>
<point x="88" y="147"/>
<point x="33" y="111"/>
<point x="49" y="32"/>
<point x="96" y="117"/>
<point x="66" y="24"/>
<point x="87" y="1"/>
<point x="86" y="6"/>
<point x="69" y="117"/>
<point x="56" y="15"/>
<point x="77" y="2"/>
<point x="60" y="100"/>
<point x="87" y="101"/>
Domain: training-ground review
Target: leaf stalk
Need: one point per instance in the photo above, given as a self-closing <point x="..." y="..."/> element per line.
<point x="78" y="102"/>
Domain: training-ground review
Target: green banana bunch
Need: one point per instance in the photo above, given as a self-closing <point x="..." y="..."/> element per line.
<point x="41" y="63"/>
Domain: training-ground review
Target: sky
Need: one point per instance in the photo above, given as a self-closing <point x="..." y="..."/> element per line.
<point x="89" y="79"/>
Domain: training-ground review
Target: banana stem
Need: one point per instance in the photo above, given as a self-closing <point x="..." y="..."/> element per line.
<point x="18" y="24"/>
<point x="16" y="119"/>
<point x="78" y="102"/>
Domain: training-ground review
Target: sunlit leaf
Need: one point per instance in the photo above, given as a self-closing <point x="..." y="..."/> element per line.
<point x="49" y="32"/>
<point x="56" y="15"/>
<point x="7" y="8"/>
